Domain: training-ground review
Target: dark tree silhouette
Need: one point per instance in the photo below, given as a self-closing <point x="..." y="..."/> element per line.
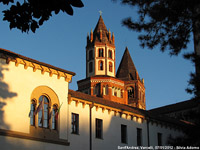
<point x="31" y="14"/>
<point x="170" y="24"/>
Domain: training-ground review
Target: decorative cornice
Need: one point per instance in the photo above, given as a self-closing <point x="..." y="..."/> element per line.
<point x="109" y="109"/>
<point x="107" y="80"/>
<point x="44" y="69"/>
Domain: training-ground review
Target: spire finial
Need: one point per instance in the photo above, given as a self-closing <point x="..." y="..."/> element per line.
<point x="100" y="12"/>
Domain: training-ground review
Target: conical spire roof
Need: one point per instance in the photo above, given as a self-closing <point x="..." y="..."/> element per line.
<point x="100" y="27"/>
<point x="127" y="70"/>
<point x="100" y="35"/>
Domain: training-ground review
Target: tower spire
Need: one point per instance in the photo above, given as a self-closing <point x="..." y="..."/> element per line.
<point x="127" y="70"/>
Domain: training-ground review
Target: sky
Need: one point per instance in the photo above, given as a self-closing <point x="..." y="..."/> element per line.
<point x="61" y="42"/>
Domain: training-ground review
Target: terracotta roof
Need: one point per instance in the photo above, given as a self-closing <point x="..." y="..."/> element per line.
<point x="189" y="104"/>
<point x="127" y="70"/>
<point x="106" y="102"/>
<point x="146" y="114"/>
<point x="10" y="53"/>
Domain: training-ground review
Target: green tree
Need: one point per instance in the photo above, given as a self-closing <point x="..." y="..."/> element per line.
<point x="31" y="14"/>
<point x="170" y="24"/>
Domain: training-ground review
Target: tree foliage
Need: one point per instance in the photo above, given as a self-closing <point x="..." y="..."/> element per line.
<point x="165" y="22"/>
<point x="31" y="14"/>
<point x="170" y="24"/>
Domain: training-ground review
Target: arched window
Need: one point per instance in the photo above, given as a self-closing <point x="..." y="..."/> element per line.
<point x="100" y="65"/>
<point x="44" y="107"/>
<point x="110" y="67"/>
<point x="43" y="115"/>
<point x="90" y="67"/>
<point x="110" y="54"/>
<point x="101" y="52"/>
<point x="130" y="92"/>
<point x="54" y="117"/>
<point x="32" y="116"/>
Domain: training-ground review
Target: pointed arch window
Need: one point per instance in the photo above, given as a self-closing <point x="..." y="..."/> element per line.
<point x="43" y="115"/>
<point x="101" y="52"/>
<point x="100" y="65"/>
<point x="110" y="67"/>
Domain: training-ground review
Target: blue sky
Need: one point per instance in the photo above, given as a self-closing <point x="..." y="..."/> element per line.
<point x="61" y="42"/>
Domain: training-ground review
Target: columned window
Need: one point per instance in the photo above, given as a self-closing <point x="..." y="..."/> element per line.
<point x="44" y="113"/>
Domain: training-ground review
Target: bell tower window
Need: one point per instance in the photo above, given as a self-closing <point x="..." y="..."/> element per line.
<point x="110" y="67"/>
<point x="100" y="65"/>
<point x="101" y="52"/>
<point x="130" y="92"/>
<point x="110" y="54"/>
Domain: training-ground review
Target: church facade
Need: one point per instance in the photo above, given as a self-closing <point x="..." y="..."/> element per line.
<point x="38" y="111"/>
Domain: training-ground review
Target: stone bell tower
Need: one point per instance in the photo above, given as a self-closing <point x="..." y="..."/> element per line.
<point x="133" y="85"/>
<point x="101" y="80"/>
<point x="100" y="51"/>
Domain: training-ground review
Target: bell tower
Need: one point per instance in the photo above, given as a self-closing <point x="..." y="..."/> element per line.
<point x="100" y="51"/>
<point x="125" y="87"/>
<point x="133" y="85"/>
